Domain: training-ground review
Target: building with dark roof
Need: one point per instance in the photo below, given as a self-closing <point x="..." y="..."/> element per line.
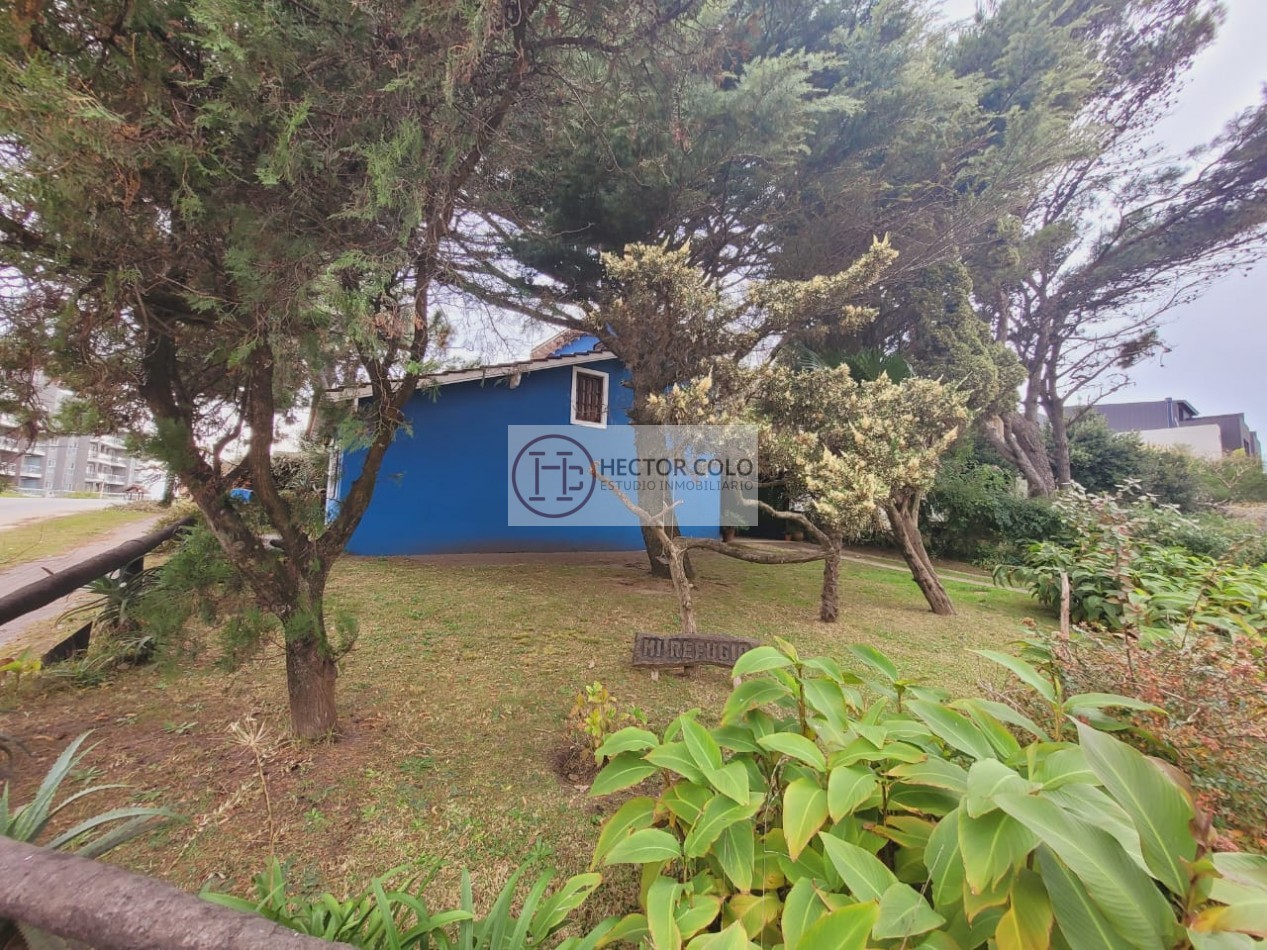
<point x="1152" y="420"/>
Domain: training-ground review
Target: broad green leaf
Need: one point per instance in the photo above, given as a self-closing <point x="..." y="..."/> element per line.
<point x="953" y="728"/>
<point x="554" y="911"/>
<point x="698" y="914"/>
<point x="804" y="811"/>
<point x="1125" y="894"/>
<point x="648" y="846"/>
<point x="997" y="734"/>
<point x="844" y="929"/>
<point x="1221" y="941"/>
<point x="755" y="911"/>
<point x="1246" y="917"/>
<point x="1003" y="713"/>
<point x="848" y="786"/>
<point x="1242" y="875"/>
<point x="629" y="739"/>
<point x="945" y="862"/>
<point x="904" y="914"/>
<point x="736" y="853"/>
<point x="718" y="815"/>
<point x="1085" y="701"/>
<point x="731" y="780"/>
<point x="674" y="757"/>
<point x="661" y="920"/>
<point x="801" y="908"/>
<point x="1160" y="810"/>
<point x="934" y="773"/>
<point x="732" y="938"/>
<point x="875" y="659"/>
<point x="1079" y="918"/>
<point x="863" y="873"/>
<point x="797" y="747"/>
<point x="909" y="831"/>
<point x="1027" y="923"/>
<point x="624" y="771"/>
<point x="988" y="778"/>
<point x="759" y="660"/>
<point x="633" y="815"/>
<point x="1091" y="803"/>
<point x="1026" y="673"/>
<point x="702" y="747"/>
<point x="737" y="737"/>
<point x="685" y="800"/>
<point x="632" y="928"/>
<point x="993" y="846"/>
<point x="828" y="700"/>
<point x="750" y="694"/>
<point x="1062" y="767"/>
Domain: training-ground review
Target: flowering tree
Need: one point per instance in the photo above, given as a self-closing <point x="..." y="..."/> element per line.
<point x="670" y="326"/>
<point x="847" y="448"/>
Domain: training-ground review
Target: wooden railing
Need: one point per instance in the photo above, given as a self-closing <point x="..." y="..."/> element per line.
<point x="128" y="557"/>
<point x="103" y="906"/>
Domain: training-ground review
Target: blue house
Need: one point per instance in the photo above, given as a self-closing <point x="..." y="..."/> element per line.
<point x="448" y="482"/>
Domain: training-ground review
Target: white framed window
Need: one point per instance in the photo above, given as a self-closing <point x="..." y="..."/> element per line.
<point x="589" y="398"/>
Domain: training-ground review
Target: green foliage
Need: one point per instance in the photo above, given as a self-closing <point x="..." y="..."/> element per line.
<point x="391" y="913"/>
<point x="1202" y="707"/>
<point x="1101" y="460"/>
<point x="595" y="715"/>
<point x="978" y="512"/>
<point x="1235" y="478"/>
<point x="13" y="668"/>
<point x="90" y="837"/>
<point x="829" y="810"/>
<point x="1122" y="578"/>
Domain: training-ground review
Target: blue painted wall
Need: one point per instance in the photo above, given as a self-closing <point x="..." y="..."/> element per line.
<point x="443" y="488"/>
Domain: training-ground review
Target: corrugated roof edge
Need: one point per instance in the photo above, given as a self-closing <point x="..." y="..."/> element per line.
<point x="493" y="371"/>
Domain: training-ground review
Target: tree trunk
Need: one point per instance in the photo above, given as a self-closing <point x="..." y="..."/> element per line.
<point x="658" y="555"/>
<point x="1060" y="441"/>
<point x="1020" y="441"/>
<point x="904" y="520"/>
<point x="829" y="605"/>
<point x="681" y="583"/>
<point x="310" y="676"/>
<point x="650" y="444"/>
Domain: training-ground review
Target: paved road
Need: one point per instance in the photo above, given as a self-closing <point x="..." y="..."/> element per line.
<point x="17" y="577"/>
<point x="16" y="511"/>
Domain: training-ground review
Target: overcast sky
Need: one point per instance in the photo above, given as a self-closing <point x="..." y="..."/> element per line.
<point x="1218" y="358"/>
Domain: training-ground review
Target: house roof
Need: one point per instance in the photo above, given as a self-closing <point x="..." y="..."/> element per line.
<point x="555" y="343"/>
<point x="492" y="371"/>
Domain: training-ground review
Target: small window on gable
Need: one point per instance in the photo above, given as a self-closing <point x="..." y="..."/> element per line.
<point x="589" y="398"/>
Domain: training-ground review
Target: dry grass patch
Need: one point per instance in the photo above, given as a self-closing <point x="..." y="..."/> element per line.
<point x="53" y="536"/>
<point x="453" y="705"/>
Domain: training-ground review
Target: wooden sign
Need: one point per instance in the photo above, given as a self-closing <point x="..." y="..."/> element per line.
<point x="714" y="650"/>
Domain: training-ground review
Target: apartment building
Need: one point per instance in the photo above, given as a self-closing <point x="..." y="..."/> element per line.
<point x="98" y="464"/>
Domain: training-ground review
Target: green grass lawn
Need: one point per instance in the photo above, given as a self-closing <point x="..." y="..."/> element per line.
<point x="38" y="539"/>
<point x="453" y="705"/>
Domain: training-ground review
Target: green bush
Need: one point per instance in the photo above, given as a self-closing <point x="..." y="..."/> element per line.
<point x="1202" y="707"/>
<point x="829" y="811"/>
<point x="1122" y="577"/>
<point x="974" y="513"/>
<point x="1101" y="460"/>
<point x="89" y="838"/>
